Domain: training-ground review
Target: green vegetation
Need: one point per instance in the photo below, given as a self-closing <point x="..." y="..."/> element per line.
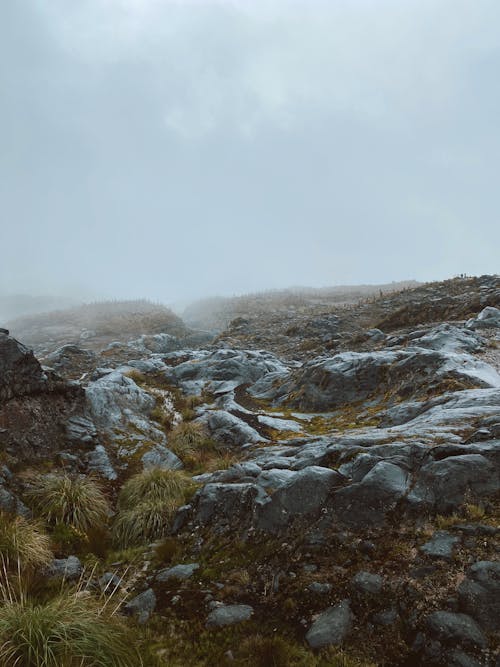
<point x="146" y="504"/>
<point x="78" y="502"/>
<point x="185" y="438"/>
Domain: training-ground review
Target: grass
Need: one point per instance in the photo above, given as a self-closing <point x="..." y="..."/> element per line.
<point x="23" y="543"/>
<point x="69" y="630"/>
<point x="147" y="503"/>
<point x="185" y="438"/>
<point x="75" y="501"/>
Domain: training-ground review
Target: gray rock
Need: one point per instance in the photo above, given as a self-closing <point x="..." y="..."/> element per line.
<point x="443" y="485"/>
<point x="458" y="658"/>
<point x="441" y="545"/>
<point x="81" y="431"/>
<point x="479" y="594"/>
<point x="451" y="628"/>
<point x="488" y="318"/>
<point x="161" y="457"/>
<point x="109" y="582"/>
<point x="305" y="493"/>
<point x="100" y="463"/>
<point x="181" y="572"/>
<point x="70" y="568"/>
<point x="331" y="627"/>
<point x="319" y="588"/>
<point x="228" y="428"/>
<point x="368" y="502"/>
<point x="229" y="503"/>
<point x="367" y="583"/>
<point x="142" y="606"/>
<point x="229" y="615"/>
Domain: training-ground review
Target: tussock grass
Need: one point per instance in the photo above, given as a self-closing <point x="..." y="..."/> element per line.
<point x="75" y="501"/>
<point x="23" y="543"/>
<point x="185" y="438"/>
<point x="147" y="503"/>
<point x="68" y="631"/>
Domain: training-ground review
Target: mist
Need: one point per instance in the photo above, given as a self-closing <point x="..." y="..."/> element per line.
<point x="174" y="150"/>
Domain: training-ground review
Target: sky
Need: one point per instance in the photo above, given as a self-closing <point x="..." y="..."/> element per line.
<point x="175" y="150"/>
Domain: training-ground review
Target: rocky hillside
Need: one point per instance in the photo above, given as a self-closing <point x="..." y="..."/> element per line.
<point x="305" y="489"/>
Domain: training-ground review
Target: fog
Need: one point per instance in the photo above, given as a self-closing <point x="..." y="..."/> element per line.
<point x="173" y="150"/>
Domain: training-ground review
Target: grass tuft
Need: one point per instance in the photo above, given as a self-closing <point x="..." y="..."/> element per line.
<point x="147" y="503"/>
<point x="78" y="502"/>
<point x="23" y="543"/>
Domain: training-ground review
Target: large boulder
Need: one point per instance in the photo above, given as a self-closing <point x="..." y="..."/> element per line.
<point x="488" y="318"/>
<point x="450" y="628"/>
<point x="230" y="429"/>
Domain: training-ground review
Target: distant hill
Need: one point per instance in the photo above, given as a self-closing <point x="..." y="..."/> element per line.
<point x="104" y="319"/>
<point x="217" y="312"/>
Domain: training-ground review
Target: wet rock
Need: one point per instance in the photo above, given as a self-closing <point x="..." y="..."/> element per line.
<point x="229" y="615"/>
<point x="331" y="627"/>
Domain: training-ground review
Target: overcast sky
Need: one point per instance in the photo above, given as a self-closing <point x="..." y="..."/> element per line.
<point x="179" y="149"/>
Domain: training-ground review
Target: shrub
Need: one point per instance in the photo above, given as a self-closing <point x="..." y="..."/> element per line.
<point x="65" y="631"/>
<point x="146" y="504"/>
<point x="76" y="501"/>
<point x="23" y="542"/>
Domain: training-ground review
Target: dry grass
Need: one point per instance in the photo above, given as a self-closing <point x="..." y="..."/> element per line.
<point x="23" y="543"/>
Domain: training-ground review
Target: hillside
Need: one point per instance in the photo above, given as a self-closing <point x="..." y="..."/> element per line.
<point x="313" y="487"/>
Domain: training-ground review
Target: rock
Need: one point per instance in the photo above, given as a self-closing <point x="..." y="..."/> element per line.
<point x="443" y="485"/>
<point x="109" y="582"/>
<point x="227" y="503"/>
<point x="229" y="615"/>
<point x="228" y="428"/>
<point x="20" y="373"/>
<point x="70" y="568"/>
<point x="161" y="343"/>
<point x="225" y="369"/>
<point x="441" y="545"/>
<point x="454" y="629"/>
<point x="458" y="658"/>
<point x="324" y="384"/>
<point x="305" y="493"/>
<point x="319" y="588"/>
<point x="99" y="462"/>
<point x="479" y="594"/>
<point x="331" y="627"/>
<point x="367" y="583"/>
<point x="181" y="572"/>
<point x="142" y="606"/>
<point x="488" y="318"/>
<point x="368" y="502"/>
<point x="161" y="457"/>
<point x="81" y="431"/>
